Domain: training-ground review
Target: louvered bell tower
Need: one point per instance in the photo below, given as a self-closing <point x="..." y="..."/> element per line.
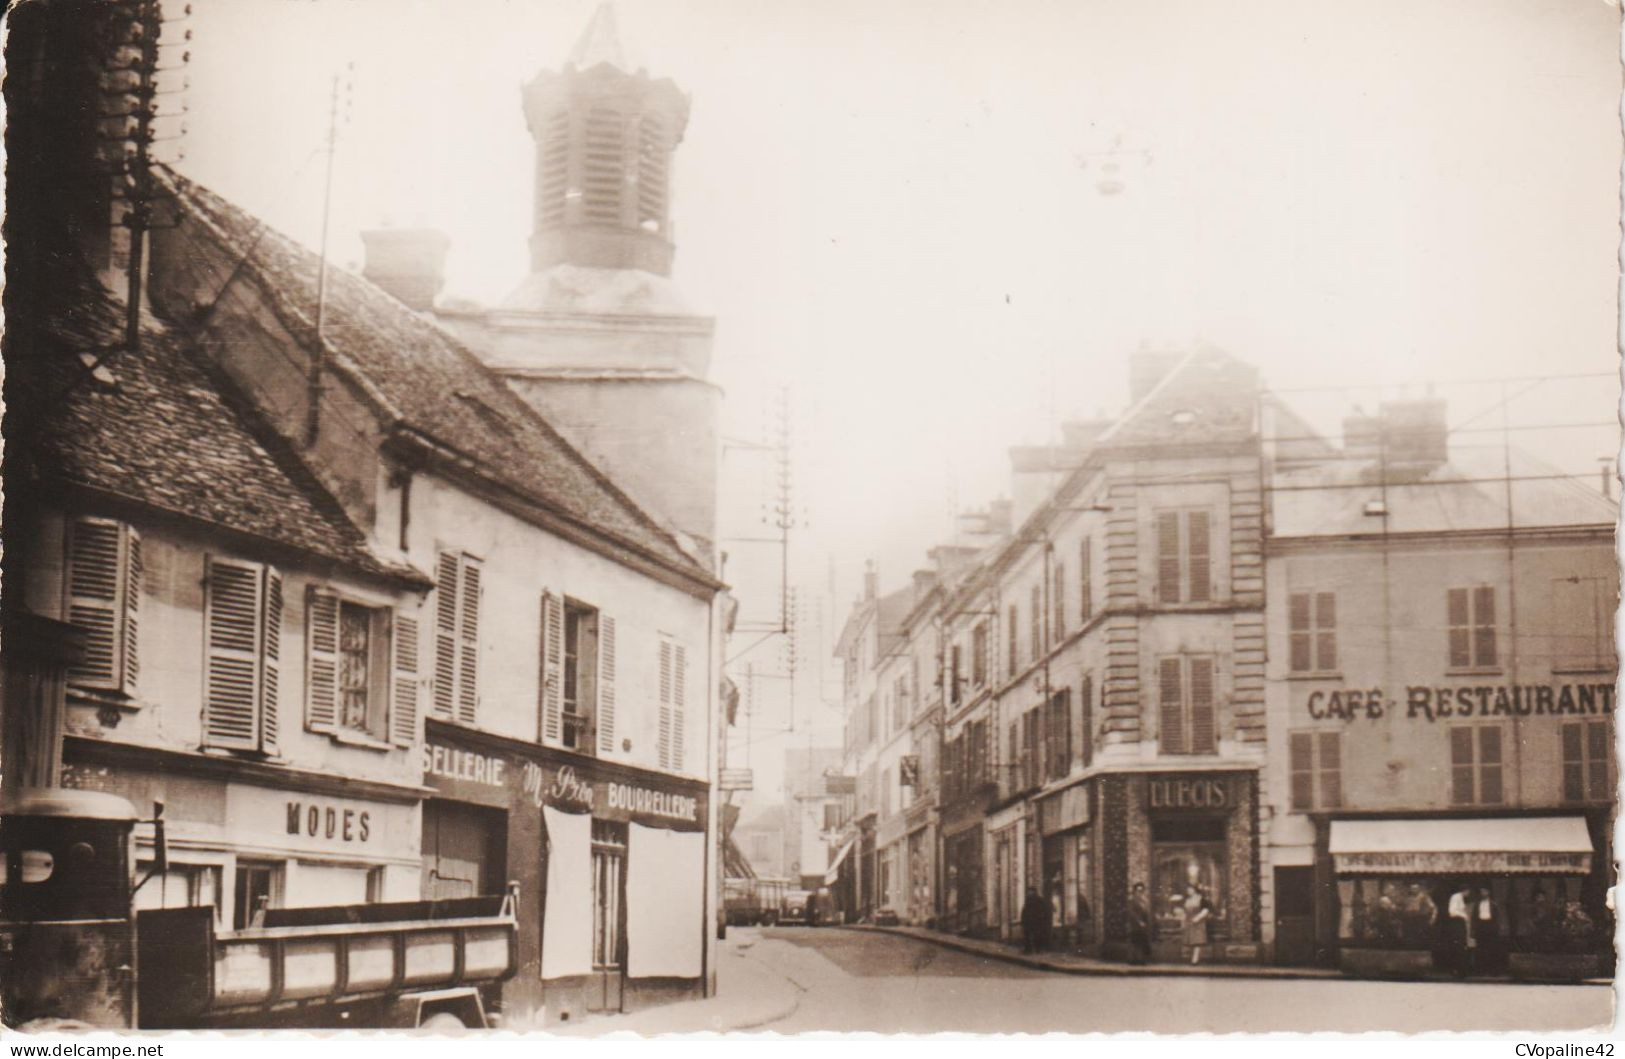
<point x="604" y="136"/>
<point x="597" y="337"/>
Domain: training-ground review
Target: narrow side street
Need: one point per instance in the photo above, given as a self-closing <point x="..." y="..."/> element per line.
<point x="793" y="980"/>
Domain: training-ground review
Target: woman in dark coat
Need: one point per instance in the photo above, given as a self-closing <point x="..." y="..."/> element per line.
<point x="1035" y="922"/>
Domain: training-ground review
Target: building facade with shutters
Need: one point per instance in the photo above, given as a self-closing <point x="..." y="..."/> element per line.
<point x="1441" y="693"/>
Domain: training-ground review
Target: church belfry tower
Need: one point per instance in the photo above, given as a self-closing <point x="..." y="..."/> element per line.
<point x="597" y="337"/>
<point x="605" y="134"/>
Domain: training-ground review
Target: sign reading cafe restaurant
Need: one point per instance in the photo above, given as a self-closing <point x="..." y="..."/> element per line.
<point x="1434" y="703"/>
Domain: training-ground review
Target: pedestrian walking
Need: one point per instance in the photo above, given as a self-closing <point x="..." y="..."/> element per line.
<point x="1035" y="922"/>
<point x="1198" y="910"/>
<point x="1139" y="926"/>
<point x="1463" y="931"/>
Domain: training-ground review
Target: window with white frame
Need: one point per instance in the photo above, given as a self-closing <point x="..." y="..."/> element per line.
<point x="361" y="668"/>
<point x="103" y="590"/>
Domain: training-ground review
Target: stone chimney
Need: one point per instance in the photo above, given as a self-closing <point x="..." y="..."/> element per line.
<point x="871" y="582"/>
<point x="408" y="263"/>
<point x="923" y="580"/>
<point x="1409" y="435"/>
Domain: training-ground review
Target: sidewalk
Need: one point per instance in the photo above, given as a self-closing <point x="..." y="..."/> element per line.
<point x="1069" y="963"/>
<point x="749" y="996"/>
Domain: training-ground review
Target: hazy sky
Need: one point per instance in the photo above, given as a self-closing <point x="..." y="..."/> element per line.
<point x="893" y="209"/>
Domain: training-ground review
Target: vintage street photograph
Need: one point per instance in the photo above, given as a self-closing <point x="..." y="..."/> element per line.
<point x="584" y="517"/>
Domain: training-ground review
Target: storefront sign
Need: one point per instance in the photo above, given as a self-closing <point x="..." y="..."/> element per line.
<point x="607" y="792"/>
<point x="304" y="823"/>
<point x="465" y="765"/>
<point x="1438" y="862"/>
<point x="332" y="822"/>
<point x="1165" y="794"/>
<point x="1442" y="702"/>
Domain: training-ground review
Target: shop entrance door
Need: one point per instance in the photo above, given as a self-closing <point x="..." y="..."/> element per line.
<point x="1186" y="852"/>
<point x="607" y="990"/>
<point x="1295" y="916"/>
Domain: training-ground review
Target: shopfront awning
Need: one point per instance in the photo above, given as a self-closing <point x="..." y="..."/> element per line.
<point x="1541" y="845"/>
<point x="834" y="870"/>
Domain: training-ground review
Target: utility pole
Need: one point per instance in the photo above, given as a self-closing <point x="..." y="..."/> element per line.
<point x="318" y="356"/>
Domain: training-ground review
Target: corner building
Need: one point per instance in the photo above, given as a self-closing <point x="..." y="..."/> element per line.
<point x="1441" y="701"/>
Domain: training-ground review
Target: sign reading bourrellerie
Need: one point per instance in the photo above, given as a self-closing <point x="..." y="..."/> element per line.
<point x="571" y="787"/>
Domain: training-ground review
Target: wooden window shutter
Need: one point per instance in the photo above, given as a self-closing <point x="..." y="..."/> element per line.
<point x="1172" y="706"/>
<point x="1461" y="766"/>
<point x="1300" y="633"/>
<point x="321" y="659"/>
<point x="679" y="704"/>
<point x="93" y="599"/>
<point x="1461" y="655"/>
<point x="132" y="612"/>
<point x="606" y="684"/>
<point x="403" y="713"/>
<point x="1198" y="550"/>
<point x="270" y="660"/>
<point x="445" y="635"/>
<point x="664" y="746"/>
<point x="1301" y="765"/>
<point x="232" y="648"/>
<point x="552" y="667"/>
<point x="1325" y="631"/>
<point x="1204" y="730"/>
<point x="468" y="643"/>
<point x="1087" y="694"/>
<point x="1168" y="557"/>
<point x="1331" y="769"/>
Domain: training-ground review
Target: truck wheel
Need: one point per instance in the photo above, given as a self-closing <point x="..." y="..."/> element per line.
<point x="442" y="1022"/>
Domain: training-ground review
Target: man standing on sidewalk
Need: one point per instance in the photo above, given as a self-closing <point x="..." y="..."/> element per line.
<point x="1139" y="926"/>
<point x="1035" y="922"/>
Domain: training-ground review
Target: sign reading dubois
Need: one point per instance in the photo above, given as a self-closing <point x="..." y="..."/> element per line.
<point x="1187" y="794"/>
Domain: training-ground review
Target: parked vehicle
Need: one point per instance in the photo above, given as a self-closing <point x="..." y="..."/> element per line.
<point x="805" y="907"/>
<point x="753" y="902"/>
<point x="75" y="953"/>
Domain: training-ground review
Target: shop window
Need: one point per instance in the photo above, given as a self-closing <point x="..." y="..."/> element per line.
<point x="1313" y="632"/>
<point x="1186" y="852"/>
<point x="457" y="637"/>
<point x="1553" y="914"/>
<point x="1317" y="770"/>
<point x="1476" y="765"/>
<point x="1184" y="556"/>
<point x="182" y="886"/>
<point x="1186" y="704"/>
<point x="1058" y="594"/>
<point x="1588" y="757"/>
<point x="979" y="655"/>
<point x="258" y="887"/>
<point x="1392" y="912"/>
<point x="243" y="650"/>
<point x="1471" y="614"/>
<point x="1086" y="587"/>
<point x="103" y="588"/>
<point x="1583" y="623"/>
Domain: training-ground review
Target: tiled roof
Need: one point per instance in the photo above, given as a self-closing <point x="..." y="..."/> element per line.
<point x="165" y="431"/>
<point x="430" y="383"/>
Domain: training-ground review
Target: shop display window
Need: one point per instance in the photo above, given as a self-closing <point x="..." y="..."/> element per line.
<point x="1187" y="852"/>
<point x="1534" y="913"/>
